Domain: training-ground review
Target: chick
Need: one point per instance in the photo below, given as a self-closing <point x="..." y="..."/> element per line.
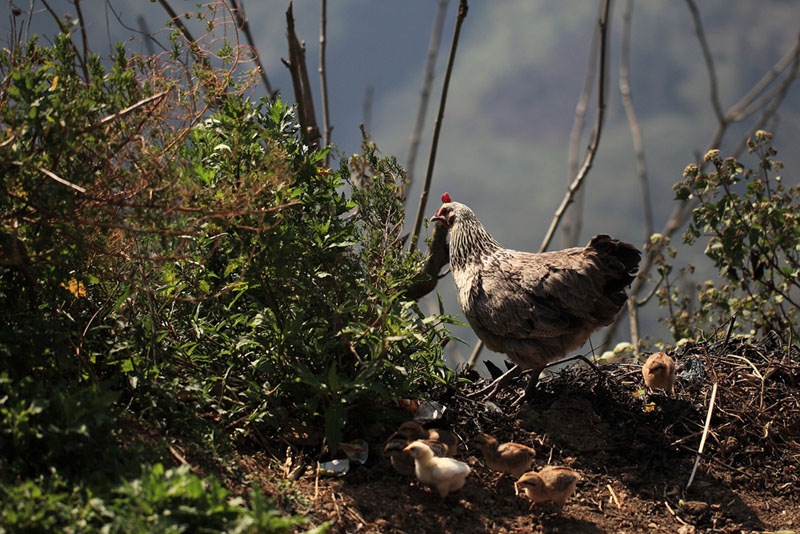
<point x="659" y="372"/>
<point x="552" y="483"/>
<point x="512" y="458"/>
<point x="413" y="431"/>
<point x="444" y="474"/>
<point x="401" y="460"/>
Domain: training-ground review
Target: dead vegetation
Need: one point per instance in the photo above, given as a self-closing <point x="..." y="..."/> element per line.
<point x="635" y="450"/>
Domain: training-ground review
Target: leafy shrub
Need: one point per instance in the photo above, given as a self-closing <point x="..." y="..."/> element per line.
<point x="160" y="500"/>
<point x="752" y="222"/>
<point x="174" y="258"/>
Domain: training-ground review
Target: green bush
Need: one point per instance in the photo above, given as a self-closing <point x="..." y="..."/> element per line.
<point x="175" y="260"/>
<point x="751" y="221"/>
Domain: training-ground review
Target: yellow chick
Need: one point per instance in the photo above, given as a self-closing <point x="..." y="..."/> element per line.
<point x="512" y="458"/>
<point x="413" y="431"/>
<point x="444" y="474"/>
<point x="402" y="462"/>
<point x="659" y="372"/>
<point x="552" y="483"/>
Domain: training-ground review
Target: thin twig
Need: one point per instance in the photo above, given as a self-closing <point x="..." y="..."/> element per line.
<point x="84" y="39"/>
<point x="683" y="210"/>
<point x="705" y="434"/>
<point x="176" y="19"/>
<point x="323" y="80"/>
<point x="598" y="128"/>
<point x="633" y="121"/>
<point x="123" y="112"/>
<point x="572" y="219"/>
<point x="425" y="93"/>
<point x="302" y="87"/>
<point x="52" y="175"/>
<point x="712" y="75"/>
<point x="241" y="22"/>
<point x="423" y="197"/>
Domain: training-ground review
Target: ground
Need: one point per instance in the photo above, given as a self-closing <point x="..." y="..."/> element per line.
<point x="634" y="449"/>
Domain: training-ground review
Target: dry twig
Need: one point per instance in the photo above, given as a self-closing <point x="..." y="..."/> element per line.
<point x="423" y="197"/>
<point x="705" y="434"/>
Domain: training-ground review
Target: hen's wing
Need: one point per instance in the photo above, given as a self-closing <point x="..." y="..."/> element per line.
<point x="524" y="295"/>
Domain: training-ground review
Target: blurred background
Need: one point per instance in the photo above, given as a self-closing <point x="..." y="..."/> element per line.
<point x="518" y="76"/>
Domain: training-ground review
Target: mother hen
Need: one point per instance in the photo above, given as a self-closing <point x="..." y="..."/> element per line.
<point x="534" y="307"/>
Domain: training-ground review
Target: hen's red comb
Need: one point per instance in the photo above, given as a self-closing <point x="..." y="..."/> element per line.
<point x="446" y="198"/>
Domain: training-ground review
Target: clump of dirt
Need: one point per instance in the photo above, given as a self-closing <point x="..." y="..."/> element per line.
<point x="634" y="449"/>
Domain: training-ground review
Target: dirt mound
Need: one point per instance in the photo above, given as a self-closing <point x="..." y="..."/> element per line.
<point x="635" y="451"/>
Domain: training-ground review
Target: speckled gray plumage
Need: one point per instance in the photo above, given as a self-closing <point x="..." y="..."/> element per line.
<point x="535" y="307"/>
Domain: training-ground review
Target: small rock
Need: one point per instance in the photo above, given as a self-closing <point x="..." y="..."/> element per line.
<point x="686" y="529"/>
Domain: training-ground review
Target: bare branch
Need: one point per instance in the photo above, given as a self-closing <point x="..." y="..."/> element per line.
<point x="366" y="108"/>
<point x="633" y="121"/>
<point x="598" y="128"/>
<point x="174" y="17"/>
<point x="683" y="210"/>
<point x="54" y="176"/>
<point x="302" y="87"/>
<point x="323" y="80"/>
<point x="65" y="29"/>
<point x="423" y="197"/>
<point x="241" y="22"/>
<point x="84" y="39"/>
<point x="736" y="112"/>
<point x="712" y="74"/>
<point x="429" y="69"/>
<point x="572" y="218"/>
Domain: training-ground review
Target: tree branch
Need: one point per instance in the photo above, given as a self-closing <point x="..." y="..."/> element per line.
<point x="425" y="93"/>
<point x="712" y="74"/>
<point x="572" y="218"/>
<point x="598" y="128"/>
<point x="633" y="121"/>
<point x="237" y="7"/>
<point x="323" y="80"/>
<point x="423" y="197"/>
<point x="302" y="87"/>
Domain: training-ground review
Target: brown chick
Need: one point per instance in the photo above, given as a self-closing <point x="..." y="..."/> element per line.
<point x="512" y="458"/>
<point x="659" y="372"/>
<point x="402" y="462"/>
<point x="412" y="431"/>
<point x="444" y="474"/>
<point x="552" y="483"/>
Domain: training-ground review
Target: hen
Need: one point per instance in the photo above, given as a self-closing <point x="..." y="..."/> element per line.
<point x="534" y="307"/>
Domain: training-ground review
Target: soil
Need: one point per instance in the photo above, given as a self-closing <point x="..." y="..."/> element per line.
<point x="634" y="449"/>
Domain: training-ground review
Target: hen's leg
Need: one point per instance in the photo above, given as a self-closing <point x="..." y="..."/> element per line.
<point x="501" y="382"/>
<point x="530" y="389"/>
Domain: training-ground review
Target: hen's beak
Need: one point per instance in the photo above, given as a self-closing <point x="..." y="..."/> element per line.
<point x="440" y="218"/>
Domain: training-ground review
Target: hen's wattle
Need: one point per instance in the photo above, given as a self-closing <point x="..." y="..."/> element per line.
<point x="534" y="307"/>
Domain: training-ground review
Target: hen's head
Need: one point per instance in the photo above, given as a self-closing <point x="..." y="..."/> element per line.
<point x="451" y="213"/>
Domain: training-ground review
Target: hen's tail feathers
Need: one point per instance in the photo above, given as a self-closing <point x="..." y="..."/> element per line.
<point x="622" y="260"/>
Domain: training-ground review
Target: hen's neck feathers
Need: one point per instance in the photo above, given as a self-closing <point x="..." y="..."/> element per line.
<point x="470" y="241"/>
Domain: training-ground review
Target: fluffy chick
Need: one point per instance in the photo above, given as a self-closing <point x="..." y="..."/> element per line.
<point x="444" y="474"/>
<point x="413" y="431"/>
<point x="552" y="483"/>
<point x="659" y="372"/>
<point x="402" y="462"/>
<point x="512" y="458"/>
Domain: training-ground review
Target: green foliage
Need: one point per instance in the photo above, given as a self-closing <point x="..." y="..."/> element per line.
<point x="159" y="500"/>
<point x="172" y="268"/>
<point x="752" y="222"/>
